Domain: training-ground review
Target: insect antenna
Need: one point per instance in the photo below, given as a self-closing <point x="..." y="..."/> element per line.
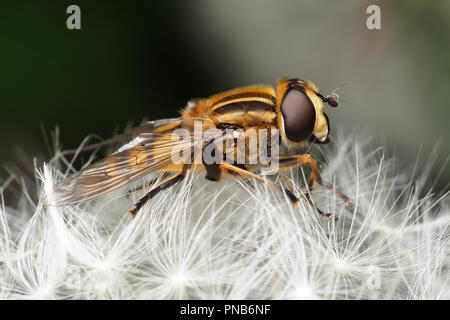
<point x="332" y="98"/>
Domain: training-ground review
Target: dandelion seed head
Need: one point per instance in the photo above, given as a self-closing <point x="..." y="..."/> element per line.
<point x="303" y="292"/>
<point x="341" y="265"/>
<point x="179" y="279"/>
<point x="236" y="239"/>
<point x="104" y="266"/>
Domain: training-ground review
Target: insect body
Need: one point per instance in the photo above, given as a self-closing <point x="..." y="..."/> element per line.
<point x="228" y="124"/>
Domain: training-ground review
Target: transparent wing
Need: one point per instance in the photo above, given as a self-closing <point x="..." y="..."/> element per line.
<point x="149" y="152"/>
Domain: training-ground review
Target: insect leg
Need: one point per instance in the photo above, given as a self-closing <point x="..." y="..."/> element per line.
<point x="213" y="172"/>
<point x="286" y="181"/>
<point x="247" y="174"/>
<point x="286" y="162"/>
<point x="153" y="192"/>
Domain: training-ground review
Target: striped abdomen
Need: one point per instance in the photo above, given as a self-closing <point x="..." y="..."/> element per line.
<point x="246" y="107"/>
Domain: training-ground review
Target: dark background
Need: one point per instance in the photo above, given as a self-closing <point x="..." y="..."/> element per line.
<point x="135" y="60"/>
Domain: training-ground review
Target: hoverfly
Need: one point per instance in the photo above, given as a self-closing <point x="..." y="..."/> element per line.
<point x="294" y="109"/>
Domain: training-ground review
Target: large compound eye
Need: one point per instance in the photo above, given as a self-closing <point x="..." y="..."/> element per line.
<point x="299" y="115"/>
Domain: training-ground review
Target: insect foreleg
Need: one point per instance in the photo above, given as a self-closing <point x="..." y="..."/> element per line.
<point x="286" y="162"/>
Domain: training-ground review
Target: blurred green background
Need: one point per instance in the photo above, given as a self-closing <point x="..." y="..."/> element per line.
<point x="132" y="60"/>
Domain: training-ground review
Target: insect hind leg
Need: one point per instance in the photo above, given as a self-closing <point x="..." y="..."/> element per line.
<point x="154" y="191"/>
